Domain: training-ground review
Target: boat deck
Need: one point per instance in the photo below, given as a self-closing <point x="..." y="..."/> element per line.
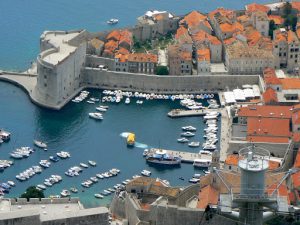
<point x="186" y="157"/>
<point x="181" y="112"/>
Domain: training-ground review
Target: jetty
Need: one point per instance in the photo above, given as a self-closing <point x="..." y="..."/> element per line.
<point x="198" y="112"/>
<point x="186" y="157"/>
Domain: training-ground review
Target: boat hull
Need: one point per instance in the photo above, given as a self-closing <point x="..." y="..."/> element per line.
<point x="164" y="163"/>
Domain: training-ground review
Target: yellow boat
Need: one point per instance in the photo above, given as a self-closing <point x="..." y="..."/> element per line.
<point x="130" y="139"/>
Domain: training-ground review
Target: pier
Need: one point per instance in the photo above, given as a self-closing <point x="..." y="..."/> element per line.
<point x="186" y="157"/>
<point x="181" y="113"/>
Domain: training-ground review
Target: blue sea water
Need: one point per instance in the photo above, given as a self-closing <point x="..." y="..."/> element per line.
<point x="22" y="22"/>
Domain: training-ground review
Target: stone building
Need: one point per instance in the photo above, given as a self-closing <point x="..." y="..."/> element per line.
<point x="241" y="59"/>
<point x="203" y="61"/>
<point x="59" y="65"/>
<point x="95" y="47"/>
<point x="179" y="60"/>
<point x="260" y="22"/>
<point x="142" y="63"/>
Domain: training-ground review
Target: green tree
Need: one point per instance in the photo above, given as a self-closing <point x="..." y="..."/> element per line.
<point x="162" y="70"/>
<point x="32" y="192"/>
<point x="289" y="16"/>
<point x="272" y="27"/>
<point x="287" y="9"/>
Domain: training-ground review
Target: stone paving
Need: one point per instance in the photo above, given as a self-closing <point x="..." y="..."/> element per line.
<point x="225" y="134"/>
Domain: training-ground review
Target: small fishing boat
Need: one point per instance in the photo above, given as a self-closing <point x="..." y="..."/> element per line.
<point x="94" y="179"/>
<point x="131" y="139"/>
<point x="99" y="196"/>
<point x="104" y="106"/>
<point x="54" y="158"/>
<point x="127" y="101"/>
<point x="194" y="144"/>
<point x="40" y="144"/>
<point x="83" y="165"/>
<point x="65" y="193"/>
<point x="187" y="134"/>
<point x="182" y="140"/>
<point x="112" y="21"/>
<point x="73" y="190"/>
<point x="90" y="102"/>
<point x="189" y="128"/>
<point x="41" y="186"/>
<point x="96" y="116"/>
<point x="11" y="183"/>
<point x="100" y="109"/>
<point x="92" y="163"/>
<point x="146" y="173"/>
<point x="100" y="176"/>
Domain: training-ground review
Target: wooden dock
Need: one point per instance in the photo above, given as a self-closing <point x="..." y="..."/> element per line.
<point x="181" y="112"/>
<point x="186" y="157"/>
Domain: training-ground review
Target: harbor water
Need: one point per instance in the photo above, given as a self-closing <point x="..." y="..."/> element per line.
<point x="22" y="22"/>
<point x="86" y="139"/>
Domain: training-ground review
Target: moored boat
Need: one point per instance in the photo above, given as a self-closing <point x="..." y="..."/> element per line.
<point x="162" y="158"/>
<point x="146" y="173"/>
<point x="40" y="144"/>
<point x="131" y="139"/>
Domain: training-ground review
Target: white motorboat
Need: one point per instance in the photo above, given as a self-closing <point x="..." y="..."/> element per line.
<point x="90" y="102"/>
<point x="100" y="176"/>
<point x="112" y="21"/>
<point x="187" y="134"/>
<point x="104" y="106"/>
<point x="92" y="163"/>
<point x="205" y="152"/>
<point x="65" y="193"/>
<point x="83" y="165"/>
<point x="194" y="144"/>
<point x="41" y="186"/>
<point x="97" y="116"/>
<point x="99" y="196"/>
<point x="100" y="109"/>
<point x="63" y="154"/>
<point x="40" y="144"/>
<point x="95" y="99"/>
<point x="11" y="183"/>
<point x="194" y="180"/>
<point x="189" y="128"/>
<point x="127" y="100"/>
<point x="94" y="179"/>
<point x="146" y="173"/>
<point x="203" y="163"/>
<point x="209" y="147"/>
<point x="182" y="140"/>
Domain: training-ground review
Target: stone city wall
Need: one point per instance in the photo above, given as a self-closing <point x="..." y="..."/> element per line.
<point x="97" y="78"/>
<point x="23" y="201"/>
<point x="95" y="61"/>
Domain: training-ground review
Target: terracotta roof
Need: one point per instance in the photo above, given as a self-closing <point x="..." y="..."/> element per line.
<point x="233" y="160"/>
<point x="252" y="35"/>
<point x="203" y="54"/>
<point x="181" y="31"/>
<point x="202" y="36"/>
<point x="269" y="72"/>
<point x="291" y="37"/>
<point x="185" y="55"/>
<point x="268" y="130"/>
<point x="229" y="41"/>
<point x="281" y="191"/>
<point x="266" y="111"/>
<point x="296" y="180"/>
<point x="270" y="96"/>
<point x="121" y="58"/>
<point x="224" y="12"/>
<point x="121" y="36"/>
<point x="296" y="137"/>
<point x="123" y="51"/>
<point x="296" y="5"/>
<point x="298" y="32"/>
<point x="207" y="195"/>
<point x="142" y="57"/>
<point x="280" y="36"/>
<point x="290" y="83"/>
<point x="175" y="51"/>
<point x="193" y="18"/>
<point x="111" y="45"/>
<point x="278" y="20"/>
<point x="297" y="160"/>
<point x="254" y="7"/>
<point x="296" y="118"/>
<point x="228" y="27"/>
<point x="292" y="197"/>
<point x="243" y="18"/>
<point x="272" y="80"/>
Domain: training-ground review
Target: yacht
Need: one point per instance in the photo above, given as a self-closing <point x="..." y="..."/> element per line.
<point x="100" y="176"/>
<point x="127" y="100"/>
<point x="54" y="158"/>
<point x="41" y="186"/>
<point x="146" y="152"/>
<point x="90" y="102"/>
<point x="104" y="106"/>
<point x="146" y="173"/>
<point x="65" y="193"/>
<point x="203" y="163"/>
<point x="183" y="140"/>
<point x="99" y="196"/>
<point x="163" y="159"/>
<point x="100" y="109"/>
<point x="73" y="190"/>
<point x="94" y="179"/>
<point x="16" y="156"/>
<point x="63" y="154"/>
<point x="189" y="128"/>
<point x="187" y="134"/>
<point x="112" y="21"/>
<point x="11" y="183"/>
<point x="83" y="165"/>
<point x="92" y="163"/>
<point x="40" y="144"/>
<point x="45" y="163"/>
<point x="97" y="116"/>
<point x="95" y="99"/>
<point x="194" y="144"/>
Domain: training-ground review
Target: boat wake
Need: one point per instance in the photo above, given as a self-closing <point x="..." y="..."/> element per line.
<point x="136" y="144"/>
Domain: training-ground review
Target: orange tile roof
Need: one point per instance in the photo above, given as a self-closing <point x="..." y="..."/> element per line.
<point x="278" y="20"/>
<point x="123" y="51"/>
<point x="268" y="130"/>
<point x="121" y="58"/>
<point x="121" y="36"/>
<point x="254" y="7"/>
<point x="268" y="72"/>
<point x="202" y="36"/>
<point x="296" y="118"/>
<point x="298" y="32"/>
<point x="292" y="197"/>
<point x="296" y="137"/>
<point x="291" y="37"/>
<point x="296" y="5"/>
<point x="243" y="18"/>
<point x="281" y="191"/>
<point x="142" y="57"/>
<point x="203" y="54"/>
<point x="207" y="195"/>
<point x="266" y="111"/>
<point x="193" y="18"/>
<point x="235" y="27"/>
<point x="111" y="45"/>
<point x="224" y="12"/>
<point x="185" y="55"/>
<point x="233" y="160"/>
<point x="279" y="36"/>
<point x="297" y="160"/>
<point x="270" y="96"/>
<point x="290" y="83"/>
<point x="181" y="31"/>
<point x="229" y="41"/>
<point x="272" y="80"/>
<point x="296" y="180"/>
